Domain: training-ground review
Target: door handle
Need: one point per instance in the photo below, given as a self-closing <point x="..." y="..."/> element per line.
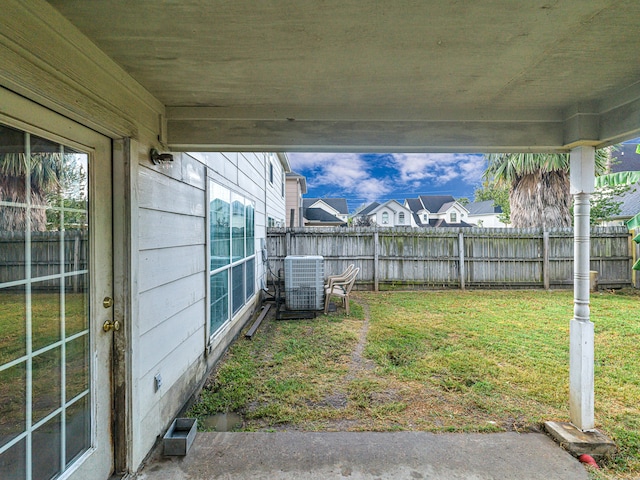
<point x="109" y="325"/>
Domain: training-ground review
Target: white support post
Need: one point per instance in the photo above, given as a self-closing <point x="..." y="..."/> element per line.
<point x="581" y="363"/>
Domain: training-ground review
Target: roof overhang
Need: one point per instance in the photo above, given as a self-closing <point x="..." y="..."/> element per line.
<point x="347" y="75"/>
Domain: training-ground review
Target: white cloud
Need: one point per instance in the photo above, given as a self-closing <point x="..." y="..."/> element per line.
<point x="439" y="167"/>
<point x="348" y="173"/>
<point x="367" y="177"/>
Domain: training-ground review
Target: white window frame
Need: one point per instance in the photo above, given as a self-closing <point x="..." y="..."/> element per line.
<point x="245" y="260"/>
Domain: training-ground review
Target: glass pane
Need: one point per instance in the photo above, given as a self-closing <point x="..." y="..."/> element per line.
<point x="74" y="187"/>
<point x="219" y="300"/>
<point x="13" y="324"/>
<point x="237" y="227"/>
<point x="77" y="366"/>
<point x="45" y="166"/>
<point x="250" y="226"/>
<point x="76" y="304"/>
<point x="237" y="286"/>
<point x="11" y="144"/>
<point x="45" y="245"/>
<point x="251" y="275"/>
<point x="13" y="462"/>
<point x="220" y="221"/>
<point x="46" y="383"/>
<point x="13" y="398"/>
<point x="45" y="313"/>
<point x="76" y="244"/>
<point x="44" y="212"/>
<point x="12" y="240"/>
<point x="46" y="444"/>
<point x="77" y="425"/>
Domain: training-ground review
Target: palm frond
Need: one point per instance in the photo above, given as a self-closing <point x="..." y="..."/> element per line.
<point x="506" y="168"/>
<point x="618" y="178"/>
<point x="45" y="169"/>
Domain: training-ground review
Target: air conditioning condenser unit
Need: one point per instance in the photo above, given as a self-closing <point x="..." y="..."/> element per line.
<point x="304" y="282"/>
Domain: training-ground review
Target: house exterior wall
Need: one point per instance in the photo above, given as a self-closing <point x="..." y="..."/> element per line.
<point x="486" y="221"/>
<point x="161" y="283"/>
<point x="393" y="211"/>
<point x="329" y="209"/>
<point x="393" y="217"/>
<point x="275" y="191"/>
<point x="293" y="197"/>
<point x="169" y="329"/>
<point x="461" y="214"/>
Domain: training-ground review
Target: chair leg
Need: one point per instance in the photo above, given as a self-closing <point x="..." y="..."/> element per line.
<point x="346" y="304"/>
<point x="326" y="302"/>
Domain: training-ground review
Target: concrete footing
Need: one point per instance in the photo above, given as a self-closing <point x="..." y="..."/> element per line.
<point x="578" y="442"/>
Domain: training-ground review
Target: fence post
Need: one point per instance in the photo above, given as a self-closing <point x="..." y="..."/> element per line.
<point x="287" y="244"/>
<point x="633" y="252"/>
<point x="461" y="260"/>
<point x="76" y="261"/>
<point x="545" y="260"/>
<point x="376" y="245"/>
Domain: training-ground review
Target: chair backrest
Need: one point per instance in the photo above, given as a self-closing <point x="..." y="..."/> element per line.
<point x="347" y="271"/>
<point x="351" y="280"/>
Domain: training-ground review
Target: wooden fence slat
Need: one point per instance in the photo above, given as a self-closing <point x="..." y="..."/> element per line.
<point x="456" y="257"/>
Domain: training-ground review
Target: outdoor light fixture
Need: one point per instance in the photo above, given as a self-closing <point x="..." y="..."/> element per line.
<point x="158" y="158"/>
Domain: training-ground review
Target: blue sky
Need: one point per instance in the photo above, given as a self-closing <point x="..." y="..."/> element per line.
<point x="363" y="178"/>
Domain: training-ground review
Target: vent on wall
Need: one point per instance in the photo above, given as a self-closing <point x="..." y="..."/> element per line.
<point x="304" y="282"/>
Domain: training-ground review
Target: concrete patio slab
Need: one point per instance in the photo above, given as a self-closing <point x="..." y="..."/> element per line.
<point x="398" y="455"/>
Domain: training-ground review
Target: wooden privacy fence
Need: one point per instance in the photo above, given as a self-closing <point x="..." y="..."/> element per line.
<point x="457" y="257"/>
<point x="49" y="256"/>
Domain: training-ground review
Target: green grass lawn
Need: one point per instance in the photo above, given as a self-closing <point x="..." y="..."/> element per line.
<point x="440" y="361"/>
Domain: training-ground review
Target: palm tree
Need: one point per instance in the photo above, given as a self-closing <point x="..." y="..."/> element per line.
<point x="44" y="170"/>
<point x="623" y="178"/>
<point x="538" y="186"/>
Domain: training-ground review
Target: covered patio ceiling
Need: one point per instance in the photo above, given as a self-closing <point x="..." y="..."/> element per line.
<point x="353" y="75"/>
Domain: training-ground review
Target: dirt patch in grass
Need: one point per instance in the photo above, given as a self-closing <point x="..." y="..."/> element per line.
<point x="450" y="361"/>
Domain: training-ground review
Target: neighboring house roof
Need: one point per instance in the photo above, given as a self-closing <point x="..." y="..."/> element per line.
<point x="368" y="209"/>
<point x="284" y="161"/>
<point x="318" y="215"/>
<point x="627" y="158"/>
<point x="630" y="203"/>
<point x="414" y="204"/>
<point x="390" y="204"/>
<point x="338" y="204"/>
<point x="441" y="222"/>
<point x="446" y="206"/>
<point x="486" y="207"/>
<point x="434" y="203"/>
<point x="301" y="178"/>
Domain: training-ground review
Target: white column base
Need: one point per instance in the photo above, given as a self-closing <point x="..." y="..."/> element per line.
<point x="581" y="366"/>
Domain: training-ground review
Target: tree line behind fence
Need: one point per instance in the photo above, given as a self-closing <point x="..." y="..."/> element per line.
<point x="457" y="257"/>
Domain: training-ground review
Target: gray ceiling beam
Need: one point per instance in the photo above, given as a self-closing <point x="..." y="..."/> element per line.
<point x="363" y="136"/>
